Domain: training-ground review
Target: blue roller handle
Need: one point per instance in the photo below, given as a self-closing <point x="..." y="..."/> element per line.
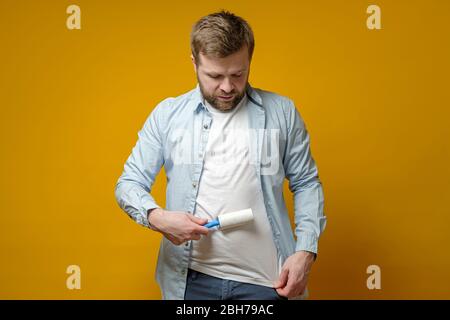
<point x="211" y="224"/>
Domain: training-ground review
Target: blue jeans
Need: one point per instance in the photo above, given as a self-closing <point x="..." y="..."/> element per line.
<point x="200" y="286"/>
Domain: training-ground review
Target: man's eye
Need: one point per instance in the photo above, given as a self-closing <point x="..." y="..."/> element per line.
<point x="214" y="76"/>
<point x="237" y="75"/>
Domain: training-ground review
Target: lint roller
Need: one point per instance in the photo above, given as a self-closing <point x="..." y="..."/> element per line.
<point x="231" y="219"/>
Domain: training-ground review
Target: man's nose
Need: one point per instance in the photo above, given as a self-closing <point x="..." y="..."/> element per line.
<point x="226" y="86"/>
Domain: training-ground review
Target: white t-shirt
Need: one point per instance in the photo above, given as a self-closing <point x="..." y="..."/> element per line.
<point x="229" y="183"/>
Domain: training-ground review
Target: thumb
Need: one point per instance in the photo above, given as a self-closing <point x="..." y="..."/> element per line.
<point x="282" y="279"/>
<point x="200" y="221"/>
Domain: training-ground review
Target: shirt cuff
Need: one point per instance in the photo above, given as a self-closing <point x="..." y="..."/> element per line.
<point x="145" y="208"/>
<point x="307" y="241"/>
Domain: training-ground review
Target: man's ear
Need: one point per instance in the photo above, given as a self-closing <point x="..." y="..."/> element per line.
<point x="193" y="62"/>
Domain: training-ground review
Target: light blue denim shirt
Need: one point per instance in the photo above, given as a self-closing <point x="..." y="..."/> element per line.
<point x="175" y="136"/>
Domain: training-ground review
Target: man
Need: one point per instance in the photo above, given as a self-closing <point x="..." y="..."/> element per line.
<point x="226" y="146"/>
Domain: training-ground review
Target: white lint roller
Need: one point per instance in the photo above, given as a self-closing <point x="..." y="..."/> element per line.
<point x="231" y="219"/>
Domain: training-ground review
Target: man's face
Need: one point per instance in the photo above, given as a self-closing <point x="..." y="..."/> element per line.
<point x="222" y="81"/>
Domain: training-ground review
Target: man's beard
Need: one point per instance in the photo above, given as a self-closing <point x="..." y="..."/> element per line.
<point x="220" y="104"/>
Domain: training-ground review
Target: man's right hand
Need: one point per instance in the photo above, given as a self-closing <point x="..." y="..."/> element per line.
<point x="177" y="226"/>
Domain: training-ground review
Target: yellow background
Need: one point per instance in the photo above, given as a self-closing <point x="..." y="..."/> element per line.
<point x="376" y="104"/>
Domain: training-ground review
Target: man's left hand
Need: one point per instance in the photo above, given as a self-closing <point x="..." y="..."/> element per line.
<point x="294" y="274"/>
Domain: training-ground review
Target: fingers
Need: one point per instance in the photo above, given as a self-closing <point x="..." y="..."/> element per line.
<point x="283" y="291"/>
<point x="182" y="239"/>
<point x="186" y="227"/>
<point x="172" y="239"/>
<point x="201" y="230"/>
<point x="177" y="241"/>
<point x="293" y="286"/>
<point x="200" y="221"/>
<point x="197" y="220"/>
<point x="282" y="286"/>
<point x="282" y="279"/>
<point x="196" y="237"/>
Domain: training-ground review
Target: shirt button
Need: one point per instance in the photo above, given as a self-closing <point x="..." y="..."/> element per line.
<point x="187" y="244"/>
<point x="183" y="272"/>
<point x="194" y="184"/>
<point x="205" y="126"/>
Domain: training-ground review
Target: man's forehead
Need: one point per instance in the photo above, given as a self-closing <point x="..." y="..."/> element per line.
<point x="237" y="60"/>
